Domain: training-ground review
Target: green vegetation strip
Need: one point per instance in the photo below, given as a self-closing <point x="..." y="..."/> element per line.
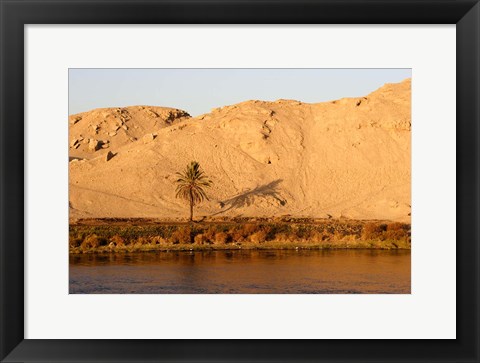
<point x="222" y="236"/>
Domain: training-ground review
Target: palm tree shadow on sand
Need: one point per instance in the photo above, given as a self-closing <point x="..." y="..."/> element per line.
<point x="247" y="197"/>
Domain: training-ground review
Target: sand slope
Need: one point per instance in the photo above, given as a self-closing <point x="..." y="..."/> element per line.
<point x="112" y="128"/>
<point x="346" y="158"/>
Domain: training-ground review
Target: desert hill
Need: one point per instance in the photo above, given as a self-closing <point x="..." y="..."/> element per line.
<point x="111" y="128"/>
<point x="346" y="158"/>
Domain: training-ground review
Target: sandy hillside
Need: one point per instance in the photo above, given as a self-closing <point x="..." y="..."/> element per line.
<point x="95" y="132"/>
<point x="346" y="158"/>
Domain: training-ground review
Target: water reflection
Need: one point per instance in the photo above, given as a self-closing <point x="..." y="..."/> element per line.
<point x="269" y="271"/>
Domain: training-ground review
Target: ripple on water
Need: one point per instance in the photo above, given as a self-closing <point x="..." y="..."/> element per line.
<point x="243" y="272"/>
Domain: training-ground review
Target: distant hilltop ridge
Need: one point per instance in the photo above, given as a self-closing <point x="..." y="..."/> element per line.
<point x="345" y="158"/>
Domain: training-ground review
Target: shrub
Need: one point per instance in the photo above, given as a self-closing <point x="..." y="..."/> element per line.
<point x="74" y="242"/>
<point x="117" y="240"/>
<point x="157" y="240"/>
<point x="396" y="234"/>
<point x="237" y="236"/>
<point x="302" y="232"/>
<point x="200" y="239"/>
<point x="282" y="237"/>
<point x="248" y="229"/>
<point x="396" y="226"/>
<point x="269" y="232"/>
<point x="258" y="237"/>
<point x="349" y="238"/>
<point x="373" y="231"/>
<point x="93" y="241"/>
<point x="338" y="236"/>
<point x="142" y="241"/>
<point x="182" y="235"/>
<point x="316" y="236"/>
<point x="210" y="234"/>
<point x="221" y="238"/>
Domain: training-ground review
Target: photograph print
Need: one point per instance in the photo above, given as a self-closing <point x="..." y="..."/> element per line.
<point x="239" y="181"/>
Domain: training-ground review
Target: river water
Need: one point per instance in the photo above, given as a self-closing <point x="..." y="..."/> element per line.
<point x="243" y="272"/>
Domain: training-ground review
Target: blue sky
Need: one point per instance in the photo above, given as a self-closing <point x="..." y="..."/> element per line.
<point x="197" y="91"/>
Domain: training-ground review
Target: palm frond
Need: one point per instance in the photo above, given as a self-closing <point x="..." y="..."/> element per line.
<point x="191" y="184"/>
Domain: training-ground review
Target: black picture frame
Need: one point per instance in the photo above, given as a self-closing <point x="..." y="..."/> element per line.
<point x="17" y="13"/>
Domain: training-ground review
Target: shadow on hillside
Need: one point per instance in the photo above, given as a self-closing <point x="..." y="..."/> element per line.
<point x="247" y="198"/>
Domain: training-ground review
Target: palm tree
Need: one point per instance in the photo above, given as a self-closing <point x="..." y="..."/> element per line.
<point x="191" y="184"/>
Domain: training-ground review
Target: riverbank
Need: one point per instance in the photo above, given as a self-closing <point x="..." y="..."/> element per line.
<point x="149" y="235"/>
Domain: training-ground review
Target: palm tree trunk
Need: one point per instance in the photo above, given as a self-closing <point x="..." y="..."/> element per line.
<point x="191" y="206"/>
